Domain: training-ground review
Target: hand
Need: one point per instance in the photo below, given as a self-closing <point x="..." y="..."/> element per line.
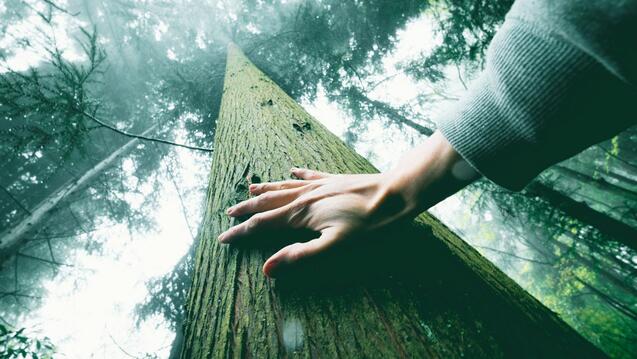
<point x="341" y="206"/>
<point x="336" y="206"/>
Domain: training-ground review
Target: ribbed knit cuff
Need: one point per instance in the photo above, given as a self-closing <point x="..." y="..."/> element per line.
<point x="502" y="125"/>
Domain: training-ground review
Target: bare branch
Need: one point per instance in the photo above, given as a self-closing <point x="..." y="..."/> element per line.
<point x="514" y="255"/>
<point x="120" y="347"/>
<point x="141" y="137"/>
<point x="17" y="294"/>
<point x="44" y="260"/>
<point x="181" y="200"/>
<point x="460" y="77"/>
<point x="15" y="200"/>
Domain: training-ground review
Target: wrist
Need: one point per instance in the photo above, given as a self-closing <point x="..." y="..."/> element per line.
<point x="428" y="174"/>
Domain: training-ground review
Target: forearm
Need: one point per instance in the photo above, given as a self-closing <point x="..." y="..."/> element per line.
<point x="553" y="85"/>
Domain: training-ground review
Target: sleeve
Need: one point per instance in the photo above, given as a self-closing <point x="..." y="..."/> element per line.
<point x="541" y="98"/>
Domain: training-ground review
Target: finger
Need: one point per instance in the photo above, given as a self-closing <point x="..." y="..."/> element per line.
<point x="304" y="173"/>
<point x="297" y="252"/>
<point x="264" y="202"/>
<point x="255" y="224"/>
<point x="259" y="188"/>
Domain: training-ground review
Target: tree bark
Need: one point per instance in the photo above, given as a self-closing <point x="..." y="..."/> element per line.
<point x="12" y="238"/>
<point x="416" y="290"/>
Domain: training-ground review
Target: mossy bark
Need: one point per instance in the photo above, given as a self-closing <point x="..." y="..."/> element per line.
<point x="414" y="291"/>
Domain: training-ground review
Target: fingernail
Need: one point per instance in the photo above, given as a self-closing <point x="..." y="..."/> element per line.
<point x="277" y="267"/>
<point x="269" y="269"/>
<point x="253" y="187"/>
<point x="221" y="237"/>
<point x="230" y="210"/>
<point x="294" y="169"/>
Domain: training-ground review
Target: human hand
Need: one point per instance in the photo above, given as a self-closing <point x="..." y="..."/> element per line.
<point x="335" y="206"/>
<point x="341" y="207"/>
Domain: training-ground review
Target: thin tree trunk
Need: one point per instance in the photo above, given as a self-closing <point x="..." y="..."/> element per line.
<point x="12" y="238"/>
<point x="581" y="211"/>
<point x="412" y="291"/>
<point x="390" y="112"/>
<point x="598" y="183"/>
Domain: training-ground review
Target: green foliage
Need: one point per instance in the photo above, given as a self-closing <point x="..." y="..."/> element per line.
<point x="44" y="106"/>
<point x="16" y="344"/>
<point x="466" y="28"/>
<point x="574" y="269"/>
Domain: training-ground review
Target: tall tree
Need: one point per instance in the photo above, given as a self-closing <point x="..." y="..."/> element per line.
<point x="446" y="307"/>
<point x="14" y="237"/>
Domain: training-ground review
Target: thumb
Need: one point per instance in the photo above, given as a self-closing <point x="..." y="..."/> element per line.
<point x="290" y="255"/>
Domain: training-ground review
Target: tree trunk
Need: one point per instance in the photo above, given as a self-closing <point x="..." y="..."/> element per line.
<point x="431" y="296"/>
<point x="389" y="112"/>
<point x="12" y="238"/>
<point x="582" y="211"/>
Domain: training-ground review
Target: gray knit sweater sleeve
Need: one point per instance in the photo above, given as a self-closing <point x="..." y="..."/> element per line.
<point x="559" y="77"/>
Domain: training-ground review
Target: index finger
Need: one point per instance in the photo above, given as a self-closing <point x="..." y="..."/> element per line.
<point x="258" y="188"/>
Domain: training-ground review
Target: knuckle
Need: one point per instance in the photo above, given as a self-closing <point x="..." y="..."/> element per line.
<point x="296" y="208"/>
<point x="254" y="222"/>
<point x="248" y="226"/>
<point x="285" y="185"/>
<point x="263" y="199"/>
<point x="300" y="203"/>
<point x="298" y="211"/>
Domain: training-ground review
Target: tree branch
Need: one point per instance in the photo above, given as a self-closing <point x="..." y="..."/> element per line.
<point x="181" y="200"/>
<point x="15" y="200"/>
<point x="616" y="156"/>
<point x="44" y="260"/>
<point x="515" y="256"/>
<point x="460" y="77"/>
<point x="16" y="294"/>
<point x="141" y="137"/>
<point x="59" y="8"/>
<point x="120" y="347"/>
